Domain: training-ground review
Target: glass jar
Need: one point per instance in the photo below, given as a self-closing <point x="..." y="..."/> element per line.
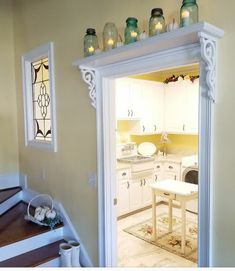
<point x="156" y="22"/>
<point x="131" y="31"/>
<point x="188" y="13"/>
<point x="110" y="36"/>
<point x="90" y="42"/>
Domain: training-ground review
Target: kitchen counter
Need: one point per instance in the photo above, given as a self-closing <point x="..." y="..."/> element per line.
<point x="173" y="158"/>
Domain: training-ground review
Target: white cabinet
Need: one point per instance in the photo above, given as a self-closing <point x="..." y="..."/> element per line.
<point x="152" y="107"/>
<point x="181" y="107"/>
<point x="135" y="194"/>
<point x="128" y="95"/>
<point x="147" y="191"/>
<point x="123" y="197"/>
<point x="172" y="171"/>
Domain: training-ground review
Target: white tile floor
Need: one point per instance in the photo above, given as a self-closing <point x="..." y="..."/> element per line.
<point x="134" y="252"/>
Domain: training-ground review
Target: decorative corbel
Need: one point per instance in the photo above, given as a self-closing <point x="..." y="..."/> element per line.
<point x="88" y="76"/>
<point x="208" y="54"/>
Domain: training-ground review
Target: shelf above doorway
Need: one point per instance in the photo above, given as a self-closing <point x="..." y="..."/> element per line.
<point x="203" y="35"/>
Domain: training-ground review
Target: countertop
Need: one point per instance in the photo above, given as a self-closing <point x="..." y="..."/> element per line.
<point x="173" y="158"/>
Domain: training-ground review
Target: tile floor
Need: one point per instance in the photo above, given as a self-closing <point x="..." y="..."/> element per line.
<point x="134" y="252"/>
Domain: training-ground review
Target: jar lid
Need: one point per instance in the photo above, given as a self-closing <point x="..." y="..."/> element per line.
<point x="90" y="31"/>
<point x="131" y="19"/>
<point x="189" y="2"/>
<point x="156" y="11"/>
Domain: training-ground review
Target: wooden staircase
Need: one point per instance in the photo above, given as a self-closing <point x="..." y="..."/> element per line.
<point x="23" y="243"/>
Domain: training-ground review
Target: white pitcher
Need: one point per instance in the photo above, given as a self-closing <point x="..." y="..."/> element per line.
<point x="65" y="255"/>
<point x="75" y="253"/>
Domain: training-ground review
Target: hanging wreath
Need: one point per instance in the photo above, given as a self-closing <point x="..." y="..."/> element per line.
<point x="174" y="78"/>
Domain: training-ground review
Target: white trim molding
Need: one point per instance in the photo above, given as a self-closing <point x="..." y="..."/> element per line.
<point x="88" y="76"/>
<point x="44" y="51"/>
<point x="185" y="46"/>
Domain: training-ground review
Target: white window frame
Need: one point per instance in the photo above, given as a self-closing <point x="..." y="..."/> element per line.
<point x="44" y="51"/>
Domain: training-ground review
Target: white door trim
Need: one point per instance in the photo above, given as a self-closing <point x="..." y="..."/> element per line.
<point x="99" y="72"/>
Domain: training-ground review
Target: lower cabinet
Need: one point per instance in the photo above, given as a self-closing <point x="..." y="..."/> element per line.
<point x="134" y="194"/>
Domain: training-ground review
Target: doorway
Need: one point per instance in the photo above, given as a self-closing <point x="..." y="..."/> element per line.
<point x="105" y="97"/>
<point x="157" y="140"/>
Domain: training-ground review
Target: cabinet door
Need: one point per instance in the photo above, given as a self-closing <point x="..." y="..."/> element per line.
<point x="122" y="88"/>
<point x="123" y="197"/>
<point x="192" y="106"/>
<point x="171" y="176"/>
<point x="135" y="98"/>
<point x="152" y="107"/>
<point x="147" y="191"/>
<point x="175" y="101"/>
<point x="135" y="194"/>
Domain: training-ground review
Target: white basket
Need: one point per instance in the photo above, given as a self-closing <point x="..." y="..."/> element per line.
<point x="32" y="218"/>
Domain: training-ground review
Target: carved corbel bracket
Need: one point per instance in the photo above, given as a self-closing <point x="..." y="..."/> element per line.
<point x="88" y="76"/>
<point x="208" y="54"/>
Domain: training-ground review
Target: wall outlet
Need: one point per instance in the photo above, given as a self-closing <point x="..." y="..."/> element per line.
<point x="92" y="179"/>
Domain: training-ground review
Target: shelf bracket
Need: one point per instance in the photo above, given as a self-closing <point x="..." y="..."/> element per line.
<point x="88" y="75"/>
<point x="208" y="54"/>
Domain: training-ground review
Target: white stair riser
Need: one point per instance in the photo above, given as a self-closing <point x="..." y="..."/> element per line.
<point x="29" y="244"/>
<point x="53" y="263"/>
<point x="6" y="205"/>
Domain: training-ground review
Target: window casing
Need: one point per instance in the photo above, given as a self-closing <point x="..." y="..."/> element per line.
<point x="39" y="98"/>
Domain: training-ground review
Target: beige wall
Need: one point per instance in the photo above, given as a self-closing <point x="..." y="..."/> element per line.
<point x="8" y="124"/>
<point x="64" y="22"/>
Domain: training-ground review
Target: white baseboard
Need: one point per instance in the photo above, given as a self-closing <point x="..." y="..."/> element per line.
<point x="69" y="232"/>
<point x="8" y="180"/>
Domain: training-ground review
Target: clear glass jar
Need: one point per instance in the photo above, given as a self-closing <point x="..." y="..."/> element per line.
<point x="156" y="22"/>
<point x="188" y="13"/>
<point x="110" y="36"/>
<point x="131" y="31"/>
<point x="90" y="42"/>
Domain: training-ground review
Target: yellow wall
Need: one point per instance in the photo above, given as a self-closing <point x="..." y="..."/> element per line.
<point x="64" y="22"/>
<point x="8" y="124"/>
<point x="187" y="144"/>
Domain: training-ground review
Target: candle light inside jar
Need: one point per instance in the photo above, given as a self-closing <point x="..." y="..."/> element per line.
<point x="158" y="27"/>
<point x="91" y="49"/>
<point x="185" y="18"/>
<point x="133" y="34"/>
<point x="110" y="42"/>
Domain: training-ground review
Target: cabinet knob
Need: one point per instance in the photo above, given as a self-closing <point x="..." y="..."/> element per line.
<point x="141" y="182"/>
<point x="175" y="177"/>
<point x="155" y="177"/>
<point x="124" y="174"/>
<point x="144" y="182"/>
<point x="143" y="128"/>
<point x="183" y="127"/>
<point x="131" y="113"/>
<point x="170" y="167"/>
<point x="128" y="185"/>
<point x="158" y="166"/>
<point x="155" y="128"/>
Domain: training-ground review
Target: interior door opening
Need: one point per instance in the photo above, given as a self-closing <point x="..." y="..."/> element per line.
<point x="157" y="149"/>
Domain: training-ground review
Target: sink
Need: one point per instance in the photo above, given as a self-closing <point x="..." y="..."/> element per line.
<point x="136" y="159"/>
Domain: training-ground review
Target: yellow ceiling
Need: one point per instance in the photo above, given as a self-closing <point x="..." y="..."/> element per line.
<point x="160" y="76"/>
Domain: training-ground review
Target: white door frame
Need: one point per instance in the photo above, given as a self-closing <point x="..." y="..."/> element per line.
<point x="196" y="44"/>
<point x="107" y="145"/>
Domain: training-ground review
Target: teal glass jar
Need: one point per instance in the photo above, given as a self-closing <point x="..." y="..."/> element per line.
<point x="132" y="32"/>
<point x="188" y="13"/>
<point x="90" y="42"/>
<point x="156" y="22"/>
<point x="110" y="36"/>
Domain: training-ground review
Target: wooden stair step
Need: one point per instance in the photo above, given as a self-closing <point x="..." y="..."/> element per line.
<point x="7" y="193"/>
<point x="13" y="226"/>
<point x="34" y="257"/>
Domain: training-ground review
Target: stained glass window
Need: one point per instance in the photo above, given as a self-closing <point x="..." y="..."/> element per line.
<point x="41" y="99"/>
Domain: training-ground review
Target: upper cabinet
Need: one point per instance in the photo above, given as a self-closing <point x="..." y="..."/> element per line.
<point x="159" y="107"/>
<point x="152" y="107"/>
<point x="128" y="95"/>
<point x="181" y="107"/>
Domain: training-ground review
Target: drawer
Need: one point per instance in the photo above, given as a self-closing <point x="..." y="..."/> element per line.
<point x="172" y="167"/>
<point x="166" y="195"/>
<point x="158" y="167"/>
<point x="123" y="174"/>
